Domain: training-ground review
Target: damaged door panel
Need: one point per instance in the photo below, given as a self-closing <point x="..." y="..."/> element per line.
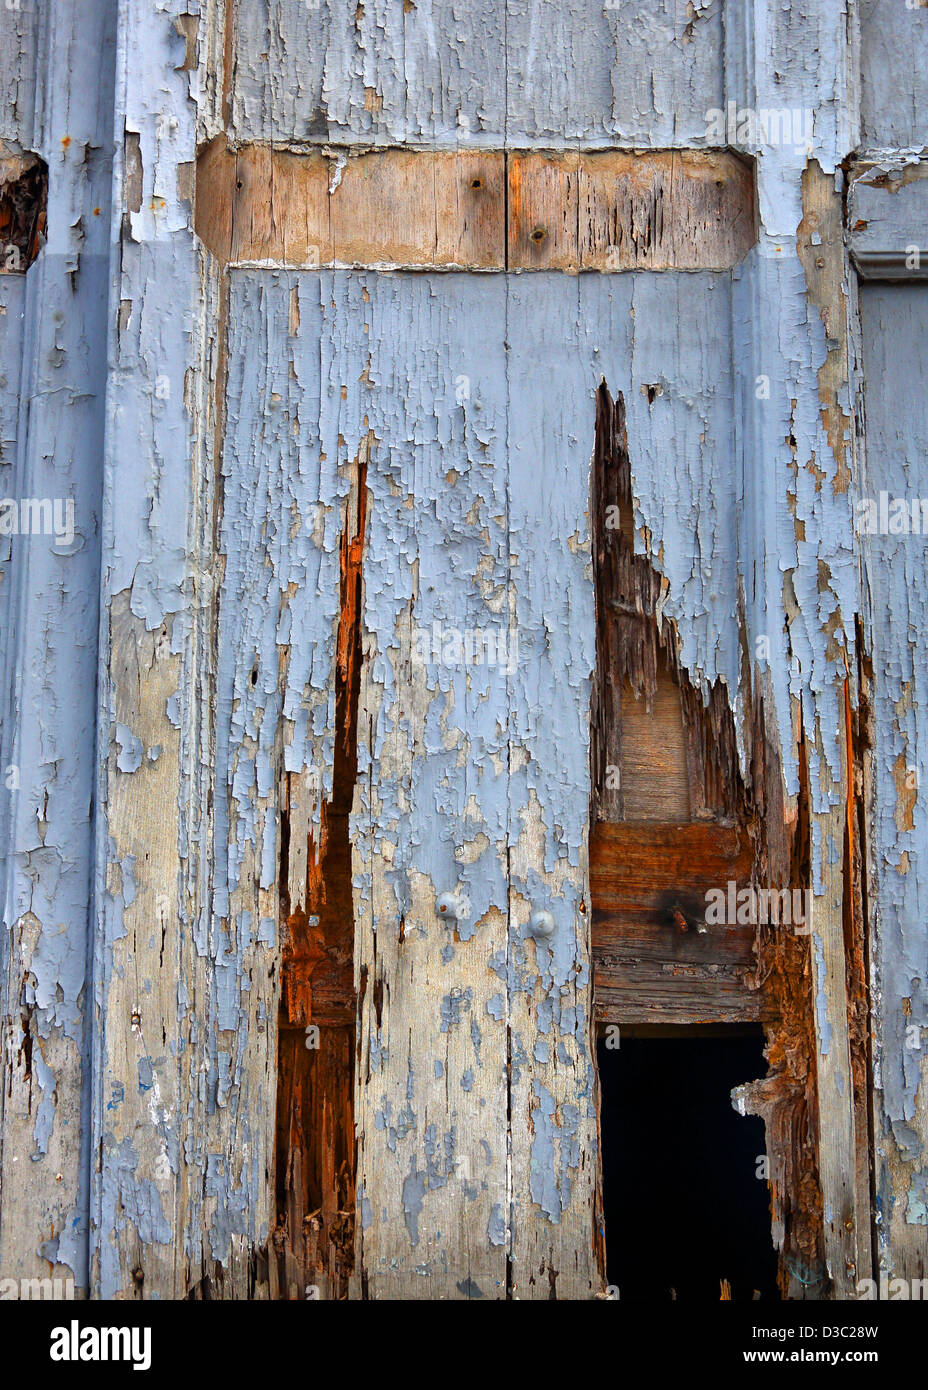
<point x="895" y="323"/>
<point x="690" y="927"/>
<point x="467" y="639"/>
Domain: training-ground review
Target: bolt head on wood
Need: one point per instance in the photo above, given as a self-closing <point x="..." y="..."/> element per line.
<point x="542" y="925"/>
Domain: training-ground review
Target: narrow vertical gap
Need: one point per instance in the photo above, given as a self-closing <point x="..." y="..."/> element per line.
<point x="862" y="1041"/>
<point x="314" y="1238"/>
<point x="505" y="210"/>
<point x="228" y="62"/>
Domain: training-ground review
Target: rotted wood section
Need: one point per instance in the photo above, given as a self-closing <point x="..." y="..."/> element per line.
<point x="652" y="963"/>
<point x="23" y="209"/>
<point x="607" y="210"/>
<point x="669" y="819"/>
<point x="672" y="818"/>
<point x="312" y="1245"/>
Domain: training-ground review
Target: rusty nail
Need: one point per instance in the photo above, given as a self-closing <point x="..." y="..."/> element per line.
<point x="679" y="918"/>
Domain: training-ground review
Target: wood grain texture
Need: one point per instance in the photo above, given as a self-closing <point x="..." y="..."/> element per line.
<point x="821" y="249"/>
<point x="654" y="767"/>
<point x="431" y="799"/>
<point x="607" y="211"/>
<point x="315" y="1146"/>
<point x="552" y="1088"/>
<point x="614" y="210"/>
<point x="797" y="406"/>
<point x="138" y="1133"/>
<point x="57" y="81"/>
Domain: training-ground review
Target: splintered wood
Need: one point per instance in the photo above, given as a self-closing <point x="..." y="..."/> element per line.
<point x="670" y="815"/>
<point x="608" y="210"/>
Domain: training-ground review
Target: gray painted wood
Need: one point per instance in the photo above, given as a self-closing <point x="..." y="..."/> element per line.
<point x="895" y="326"/>
<point x="887" y="216"/>
<point x="25" y="39"/>
<point x="894" y="89"/>
<point x="156" y="960"/>
<point x="57" y="352"/>
<point x="527" y="72"/>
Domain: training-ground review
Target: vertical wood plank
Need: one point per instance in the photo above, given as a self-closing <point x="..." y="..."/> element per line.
<point x="895" y="324"/>
<point x="59" y="79"/>
<point x="797" y="541"/>
<point x="420" y="363"/>
<point x="424" y="1167"/>
<point x="278" y="540"/>
<point x="553" y="1117"/>
<point x="152" y="1084"/>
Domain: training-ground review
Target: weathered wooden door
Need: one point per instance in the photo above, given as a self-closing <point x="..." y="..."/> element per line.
<point x="462" y="411"/>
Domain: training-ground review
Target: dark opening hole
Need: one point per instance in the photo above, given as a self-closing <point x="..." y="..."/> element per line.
<point x="23" y="203"/>
<point x="477" y="183"/>
<point x="683" y="1203"/>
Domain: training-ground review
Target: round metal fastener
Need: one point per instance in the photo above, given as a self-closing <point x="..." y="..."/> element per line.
<point x="542" y="924"/>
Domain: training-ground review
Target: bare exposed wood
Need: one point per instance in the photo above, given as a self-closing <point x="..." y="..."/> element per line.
<point x="651" y="962"/>
<point x="614" y="210"/>
<point x="895" y="347"/>
<point x="785" y="1098"/>
<point x="654" y="770"/>
<point x="241" y="792"/>
<point x="606" y="211"/>
<point x="657" y="959"/>
<point x="659" y="750"/>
